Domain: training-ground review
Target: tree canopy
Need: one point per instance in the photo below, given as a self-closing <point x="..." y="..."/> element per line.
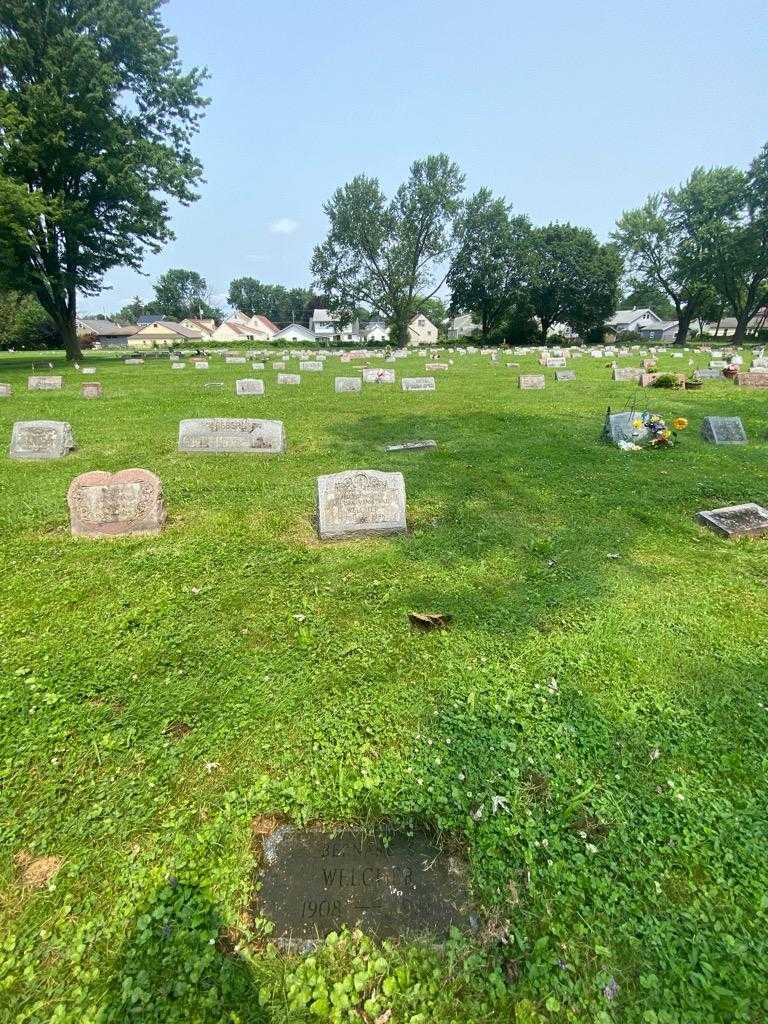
<point x="281" y="305"/>
<point x="385" y="255"/>
<point x="183" y="293"/>
<point x="97" y="118"/>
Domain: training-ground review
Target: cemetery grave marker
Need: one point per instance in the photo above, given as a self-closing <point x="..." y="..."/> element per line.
<point x="311" y="365"/>
<point x="531" y="381"/>
<point x="89" y="369"/>
<point x="344" y="384"/>
<point x="412" y="446"/>
<point x="5" y="390"/>
<point x="116" y="505"/>
<point x="92" y="390"/>
<point x="373" y="376"/>
<point x="249" y="386"/>
<point x="627" y="373"/>
<point x="258" y="366"/>
<point x="708" y="374"/>
<point x="178" y="366"/>
<point x="390" y="884"/>
<point x="45" y="383"/>
<point x="619" y="427"/>
<point x="733" y="521"/>
<point x="235" y="360"/>
<point x="564" y="375"/>
<point x="134" y="362"/>
<point x="436" y="366"/>
<point x="555" y="362"/>
<point x="418" y="383"/>
<point x="279" y="364"/>
<point x="232" y="436"/>
<point x="723" y="430"/>
<point x="288" y="378"/>
<point x="36" y="440"/>
<point x="201" y="364"/>
<point x="751" y="379"/>
<point x="360" y="503"/>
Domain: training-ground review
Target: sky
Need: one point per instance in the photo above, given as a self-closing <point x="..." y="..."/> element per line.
<point x="574" y="110"/>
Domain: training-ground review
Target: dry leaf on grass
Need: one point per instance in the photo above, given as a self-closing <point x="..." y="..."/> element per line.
<point x="429" y="620"/>
<point x="36" y="872"/>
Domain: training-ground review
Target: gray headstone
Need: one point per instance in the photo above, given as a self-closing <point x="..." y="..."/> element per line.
<point x="412" y="446"/>
<point x="133" y="362"/>
<point x="627" y="373"/>
<point x="748" y="520"/>
<point x="564" y="375"/>
<point x="41" y="439"/>
<point x="723" y="430"/>
<point x="418" y="383"/>
<point x="279" y="365"/>
<point x="116" y="505"/>
<point x="531" y="381"/>
<point x="5" y="390"/>
<point x="619" y="427"/>
<point x="348" y="384"/>
<point x="288" y="378"/>
<point x="178" y="366"/>
<point x="235" y="436"/>
<point x="91" y="390"/>
<point x="717" y="364"/>
<point x="258" y="366"/>
<point x="249" y="386"/>
<point x="235" y="360"/>
<point x="89" y="369"/>
<point x="360" y="503"/>
<point x="436" y="366"/>
<point x="45" y="383"/>
<point x="389" y="884"/>
<point x="373" y="376"/>
<point x="201" y="364"/>
<point x="311" y="365"/>
<point x="554" y="362"/>
<point x="708" y="374"/>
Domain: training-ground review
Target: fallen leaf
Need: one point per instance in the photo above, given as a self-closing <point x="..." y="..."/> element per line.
<point x="429" y="620"/>
<point x="36" y="872"/>
<point x="383" y="1017"/>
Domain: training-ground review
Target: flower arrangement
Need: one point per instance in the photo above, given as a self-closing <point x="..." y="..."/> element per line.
<point x="658" y="434"/>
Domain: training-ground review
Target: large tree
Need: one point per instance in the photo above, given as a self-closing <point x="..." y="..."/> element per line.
<point x="489" y="269"/>
<point x="653" y="242"/>
<point x="723" y="213"/>
<point x="97" y="118"/>
<point x="572" y="278"/>
<point x="280" y="304"/>
<point x="24" y="324"/>
<point x="184" y="293"/>
<point x="383" y="254"/>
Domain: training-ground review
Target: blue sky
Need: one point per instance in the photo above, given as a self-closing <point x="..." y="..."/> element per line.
<point x="572" y="110"/>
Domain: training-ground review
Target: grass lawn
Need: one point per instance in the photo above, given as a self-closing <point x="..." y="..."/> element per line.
<point x="605" y="673"/>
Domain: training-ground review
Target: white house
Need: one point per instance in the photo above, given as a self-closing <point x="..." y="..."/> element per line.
<point x="463" y="326"/>
<point x="665" y="331"/>
<point x="323" y="325"/>
<point x="421" y="331"/>
<point x="375" y="332"/>
<point x="633" y="320"/>
<point x="205" y="327"/>
<point x="294" y="332"/>
<point x="236" y="330"/>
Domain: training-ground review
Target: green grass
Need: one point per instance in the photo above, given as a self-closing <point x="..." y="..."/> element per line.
<point x="308" y="694"/>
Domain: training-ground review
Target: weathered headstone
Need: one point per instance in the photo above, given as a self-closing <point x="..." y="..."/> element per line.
<point x="717" y="364"/>
<point x="258" y="366"/>
<point x="235" y="360"/>
<point x="723" y="430"/>
<point x="373" y="376"/>
<point x="412" y="446"/>
<point x="288" y="378"/>
<point x="708" y="374"/>
<point x="178" y="366"/>
<point x="41" y="439"/>
<point x="133" y="362"/>
<point x="279" y="364"/>
<point x="89" y="369"/>
<point x="249" y="386"/>
<point x="45" y="383"/>
<point x="752" y="379"/>
<point x="360" y="503"/>
<point x="311" y="365"/>
<point x="619" y="426"/>
<point x="92" y="390"/>
<point x="564" y="375"/>
<point x="748" y="520"/>
<point x="116" y="505"/>
<point x="628" y="374"/>
<point x="235" y="436"/>
<point x="418" y="383"/>
<point x="389" y="884"/>
<point x="201" y="364"/>
<point x="531" y="381"/>
<point x="555" y="362"/>
<point x="5" y="390"/>
<point x="342" y="384"/>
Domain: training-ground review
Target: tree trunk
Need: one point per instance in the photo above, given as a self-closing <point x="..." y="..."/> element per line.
<point x="683" y="325"/>
<point x="70" y="339"/>
<point x="398" y="333"/>
<point x="741" y="328"/>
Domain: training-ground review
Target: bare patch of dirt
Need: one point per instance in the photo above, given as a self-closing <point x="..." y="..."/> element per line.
<point x="266" y="824"/>
<point x="177" y="730"/>
<point x="537" y="786"/>
<point x="591" y="826"/>
<point x="36" y="872"/>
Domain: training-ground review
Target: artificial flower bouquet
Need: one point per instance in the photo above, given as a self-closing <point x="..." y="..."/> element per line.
<point x="657" y="433"/>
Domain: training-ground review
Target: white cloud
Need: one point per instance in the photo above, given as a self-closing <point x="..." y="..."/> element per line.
<point x="283" y="226"/>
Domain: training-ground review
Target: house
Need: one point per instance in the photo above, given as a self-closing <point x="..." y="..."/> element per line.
<point x="421" y="331"/>
<point x="624" y="320"/>
<point x="236" y="330"/>
<point x="375" y="332"/>
<point x="294" y="332"/>
<point x="105" y="333"/>
<point x="164" y="333"/>
<point x="324" y="325"/>
<point x="665" y="331"/>
<point x="263" y="323"/>
<point x="463" y="326"/>
<point x="205" y="327"/>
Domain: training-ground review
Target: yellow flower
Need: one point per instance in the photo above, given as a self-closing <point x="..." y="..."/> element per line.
<point x="680" y="423"/>
<point x="637" y="424"/>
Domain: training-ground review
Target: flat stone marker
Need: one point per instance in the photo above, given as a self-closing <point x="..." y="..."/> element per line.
<point x="201" y="364"/>
<point x="89" y="369"/>
<point x="723" y="430"/>
<point x="749" y="520"/>
<point x="45" y="383"/>
<point x="708" y="374"/>
<point x="279" y="365"/>
<point x="717" y="364"/>
<point x="311" y="366"/>
<point x="753" y="379"/>
<point x="627" y="373"/>
<point x="116" y="504"/>
<point x="288" y="378"/>
<point x="258" y="366"/>
<point x="178" y="366"/>
<point x="555" y="362"/>
<point x="531" y="381"/>
<point x="249" y="386"/>
<point x="436" y="366"/>
<point x="412" y="446"/>
<point x="41" y="439"/>
<point x="235" y="360"/>
<point x="92" y="390"/>
<point x="232" y="436"/>
<point x="564" y="375"/>
<point x="618" y="427"/>
<point x="360" y="503"/>
<point x="348" y="384"/>
<point x="373" y="376"/>
<point x="133" y="362"/>
<point x="418" y="383"/>
<point x="5" y="390"/>
<point x="316" y="882"/>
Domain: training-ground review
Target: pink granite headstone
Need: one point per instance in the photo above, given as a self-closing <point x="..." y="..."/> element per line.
<point x="116" y="504"/>
<point x="92" y="390"/>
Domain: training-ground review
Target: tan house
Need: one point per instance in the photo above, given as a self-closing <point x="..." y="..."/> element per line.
<point x="240" y="327"/>
<point x="163" y="334"/>
<point x="205" y="327"/>
<point x="421" y="331"/>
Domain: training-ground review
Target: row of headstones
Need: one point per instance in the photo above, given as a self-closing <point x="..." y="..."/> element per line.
<point x="620" y="426"/>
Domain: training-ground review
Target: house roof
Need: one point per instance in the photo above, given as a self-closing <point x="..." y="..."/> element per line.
<point x="104" y="328"/>
<point x="266" y="322"/>
<point x="628" y="316"/>
<point x="239" y="327"/>
<point x="293" y="329"/>
<point x="172" y="328"/>
<point x="424" y="316"/>
<point x="202" y="325"/>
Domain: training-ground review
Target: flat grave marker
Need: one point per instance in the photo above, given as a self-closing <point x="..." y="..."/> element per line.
<point x="412" y="446"/>
<point x="373" y="376"/>
<point x="249" y="386"/>
<point x="5" y="390"/>
<point x="288" y="378"/>
<point x="232" y="436"/>
<point x="753" y="379"/>
<point x="708" y="374"/>
<point x="178" y="366"/>
<point x="116" y="504"/>
<point x="531" y="381"/>
<point x="389" y="884"/>
<point x="91" y="390"/>
<point x="564" y="375"/>
<point x="311" y="366"/>
<point x="35" y="440"/>
<point x="436" y="366"/>
<point x="723" y="430"/>
<point x="345" y="384"/>
<point x="418" y="383"/>
<point x="235" y="360"/>
<point x="279" y="364"/>
<point x="360" y="503"/>
<point x="733" y="521"/>
<point x="201" y="364"/>
<point x="49" y="383"/>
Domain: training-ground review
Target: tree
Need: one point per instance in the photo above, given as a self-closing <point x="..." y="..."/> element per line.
<point x="723" y="213"/>
<point x="644" y="294"/>
<point x="489" y="269"/>
<point x="135" y="309"/>
<point x="434" y="309"/>
<point x="572" y="278"/>
<point x="282" y="305"/>
<point x="24" y="324"/>
<point x="384" y="255"/>
<point x="97" y="118"/>
<point x="653" y="240"/>
<point x="184" y="293"/>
